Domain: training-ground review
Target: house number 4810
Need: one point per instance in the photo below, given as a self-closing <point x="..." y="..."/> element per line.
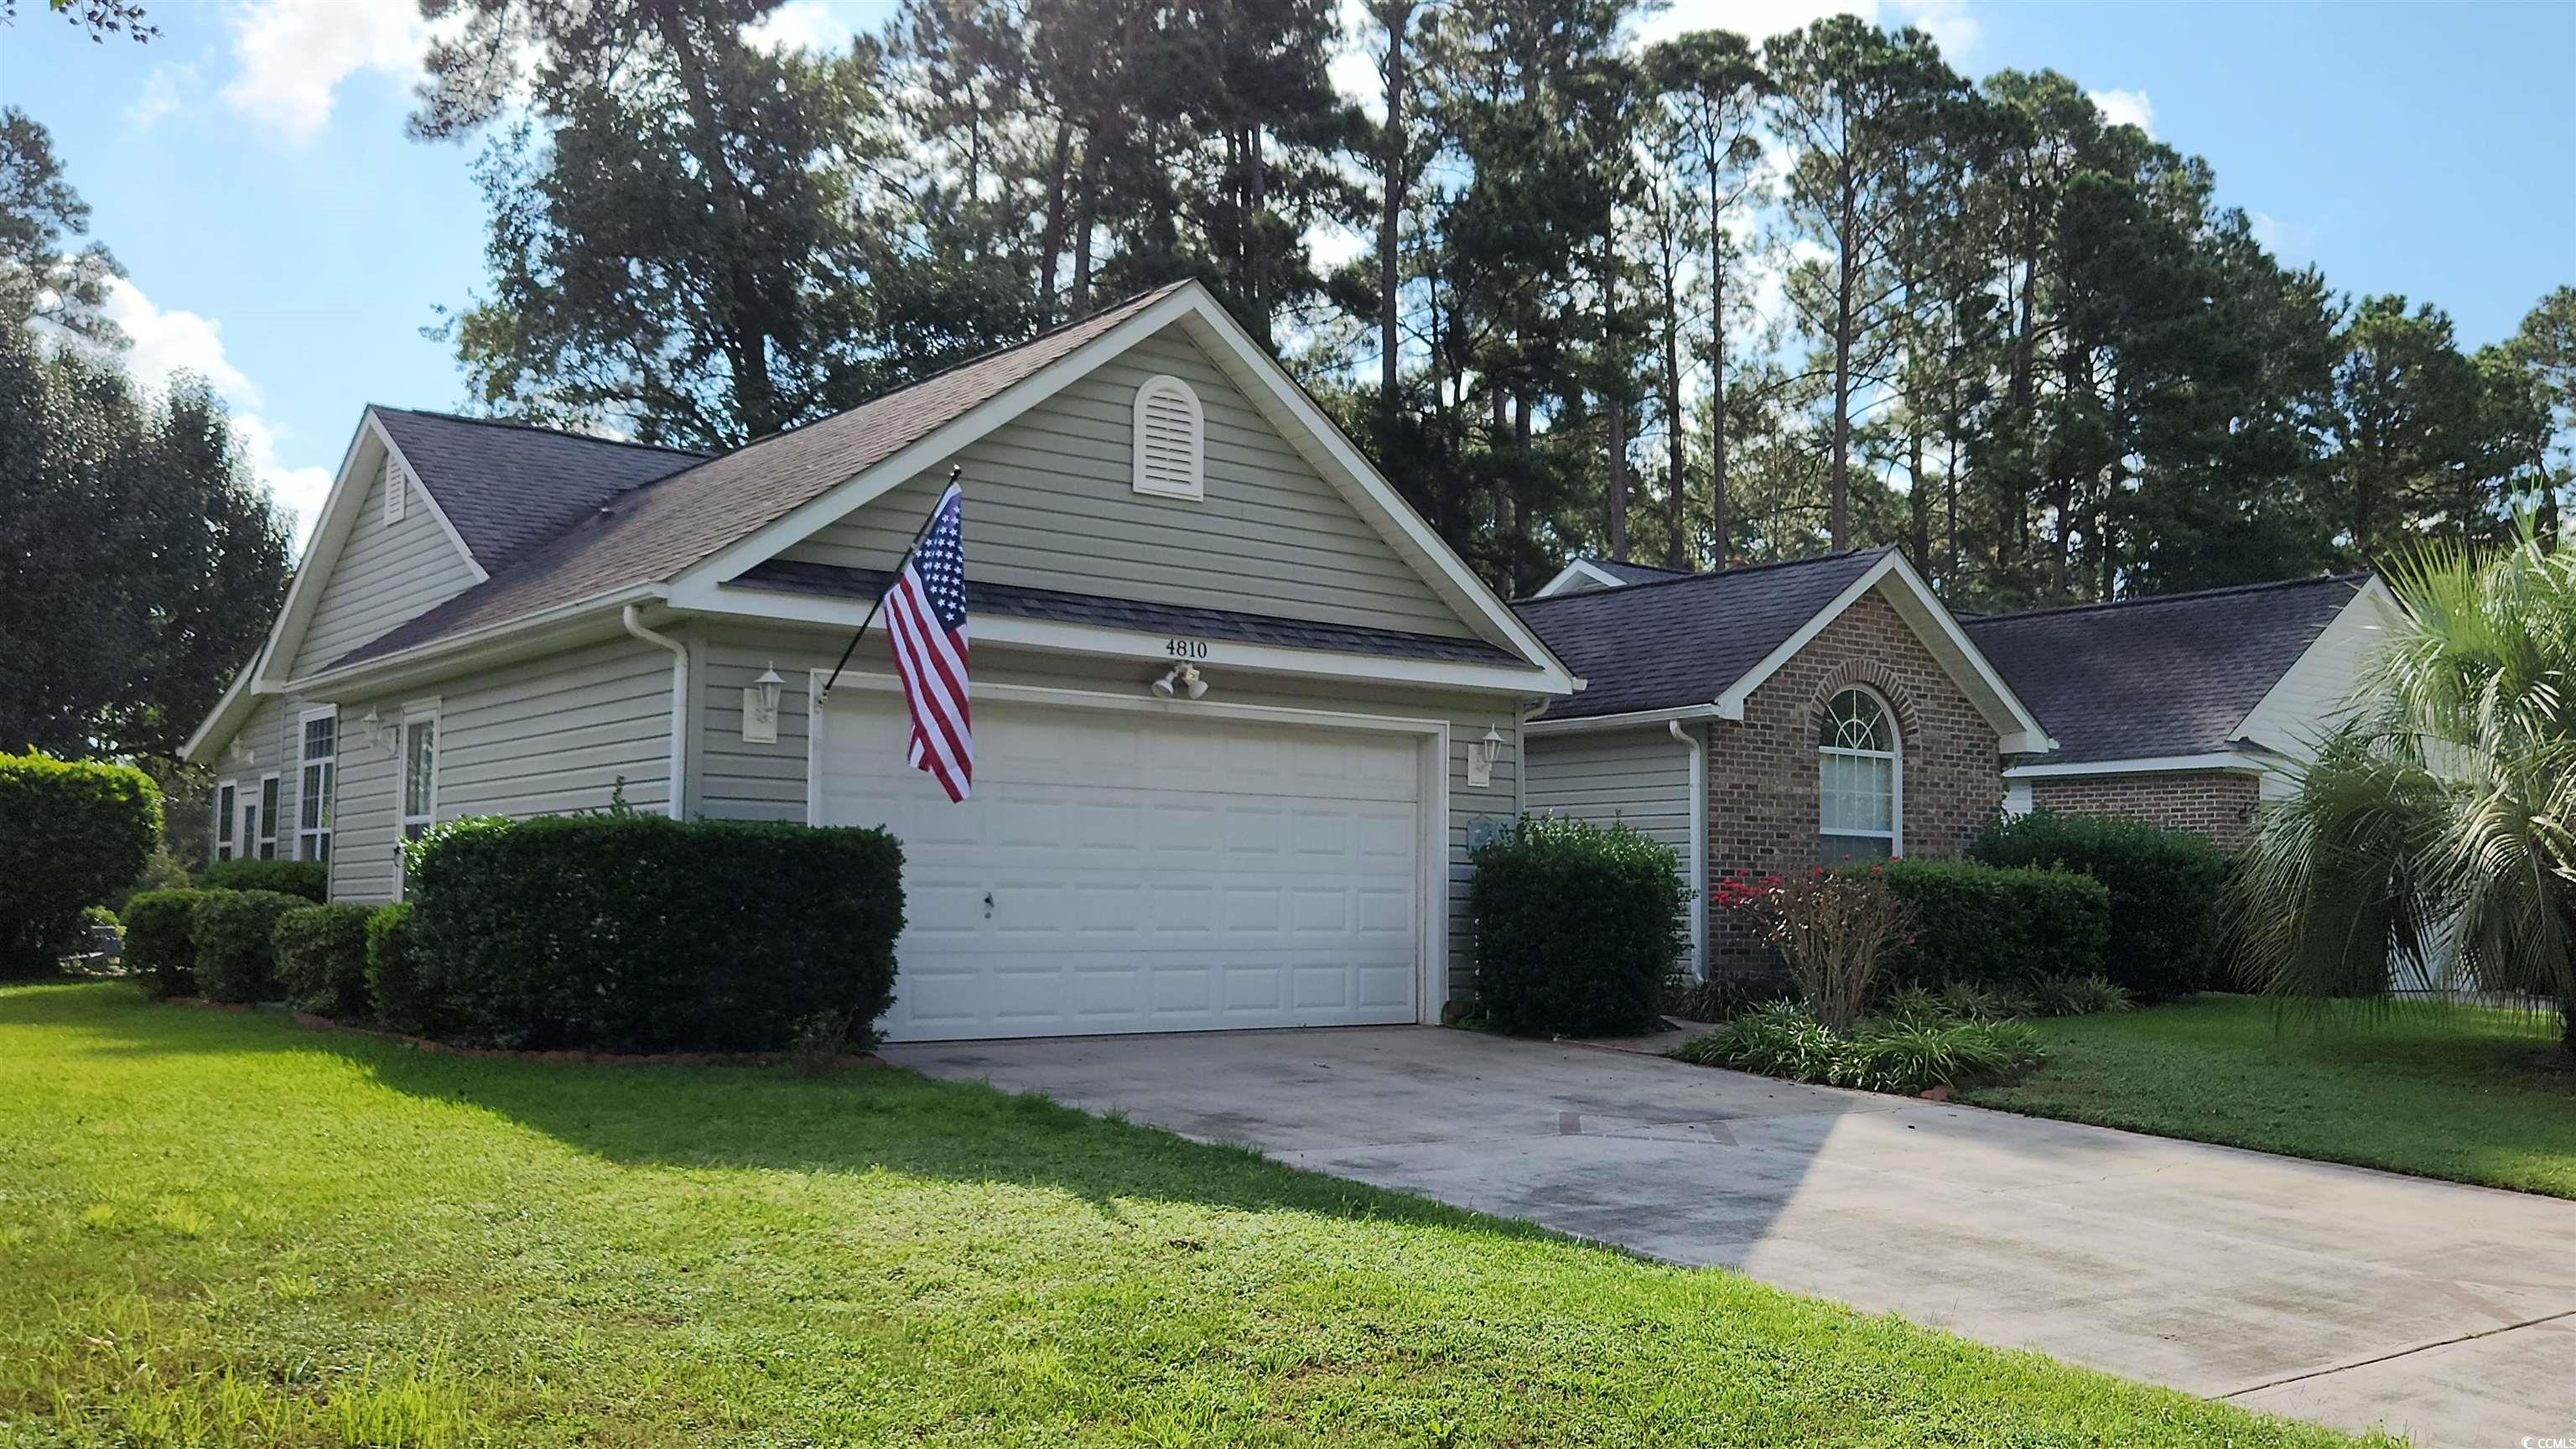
<point x="1186" y="648"/>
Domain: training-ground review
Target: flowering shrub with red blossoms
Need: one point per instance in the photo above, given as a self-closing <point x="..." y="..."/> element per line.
<point x="1831" y="928"/>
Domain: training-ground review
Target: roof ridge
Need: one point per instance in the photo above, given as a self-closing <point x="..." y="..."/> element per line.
<point x="2143" y="600"/>
<point x="1777" y="563"/>
<point x="516" y="426"/>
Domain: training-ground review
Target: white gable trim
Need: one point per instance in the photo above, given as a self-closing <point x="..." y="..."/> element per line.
<point x="1575" y="573"/>
<point x="225" y="720"/>
<point x="342" y="509"/>
<point x="2021" y="731"/>
<point x="1270" y="390"/>
<point x="2239" y="761"/>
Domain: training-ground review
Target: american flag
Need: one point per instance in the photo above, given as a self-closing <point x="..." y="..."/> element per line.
<point x="926" y="618"/>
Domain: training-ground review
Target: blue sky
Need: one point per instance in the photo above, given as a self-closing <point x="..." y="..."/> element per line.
<point x="284" y="237"/>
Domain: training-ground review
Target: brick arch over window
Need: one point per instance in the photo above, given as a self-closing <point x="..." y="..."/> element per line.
<point x="1874" y="676"/>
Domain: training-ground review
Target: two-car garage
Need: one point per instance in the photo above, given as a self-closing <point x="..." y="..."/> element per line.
<point x="1131" y="865"/>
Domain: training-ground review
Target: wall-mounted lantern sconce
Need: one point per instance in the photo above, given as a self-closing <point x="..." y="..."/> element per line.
<point x="760" y="708"/>
<point x="1481" y="756"/>
<point x="1181" y="679"/>
<point x="379" y="731"/>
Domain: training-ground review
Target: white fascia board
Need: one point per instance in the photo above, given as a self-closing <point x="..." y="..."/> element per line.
<point x="1058" y="637"/>
<point x="1632" y="720"/>
<point x="459" y="650"/>
<point x="1574" y="573"/>
<point x="420" y="485"/>
<point x="2241" y="761"/>
<point x="1269" y="388"/>
<point x="2019" y="730"/>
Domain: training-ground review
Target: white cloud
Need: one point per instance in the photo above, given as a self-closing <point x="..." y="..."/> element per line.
<point x="164" y="89"/>
<point x="798" y="25"/>
<point x="2126" y="108"/>
<point x="292" y="56"/>
<point x="2291" y="241"/>
<point x="172" y="341"/>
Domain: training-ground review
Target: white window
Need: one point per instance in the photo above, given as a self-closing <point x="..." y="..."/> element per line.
<point x="1171" y="440"/>
<point x="320" y="759"/>
<point x="1860" y="779"/>
<point x="419" y="784"/>
<point x="225" y="823"/>
<point x="397" y="489"/>
<point x="265" y="837"/>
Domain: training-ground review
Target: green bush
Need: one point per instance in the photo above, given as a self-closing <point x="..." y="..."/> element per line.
<point x="1723" y="998"/>
<point x="1576" y="927"/>
<point x="310" y="879"/>
<point x="157" y="944"/>
<point x="2165" y="888"/>
<point x="322" y="960"/>
<point x="1881" y="1054"/>
<point x="2079" y="996"/>
<point x="72" y="834"/>
<point x="1994" y="926"/>
<point x="234" y="935"/>
<point x="394" y="995"/>
<point x="625" y="932"/>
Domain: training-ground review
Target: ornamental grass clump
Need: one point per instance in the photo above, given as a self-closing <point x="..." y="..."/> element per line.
<point x="1832" y="929"/>
<point x="1883" y="1054"/>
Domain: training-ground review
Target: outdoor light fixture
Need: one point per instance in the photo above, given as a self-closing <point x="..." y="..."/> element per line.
<point x="760" y="708"/>
<point x="1181" y="679"/>
<point x="378" y="730"/>
<point x="1481" y="756"/>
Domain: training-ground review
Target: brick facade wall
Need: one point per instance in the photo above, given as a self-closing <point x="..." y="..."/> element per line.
<point x="1762" y="769"/>
<point x="2215" y="803"/>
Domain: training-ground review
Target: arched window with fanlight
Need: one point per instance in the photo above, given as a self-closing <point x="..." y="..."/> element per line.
<point x="1860" y="774"/>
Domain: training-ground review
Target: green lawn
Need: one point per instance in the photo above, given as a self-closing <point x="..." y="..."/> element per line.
<point x="218" y="1228"/>
<point x="2453" y="1093"/>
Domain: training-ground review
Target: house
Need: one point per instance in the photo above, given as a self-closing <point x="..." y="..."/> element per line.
<point x="2177" y="708"/>
<point x="1771" y="719"/>
<point x="499" y="619"/>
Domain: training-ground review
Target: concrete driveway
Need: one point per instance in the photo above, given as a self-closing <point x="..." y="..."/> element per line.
<point x="2336" y="1294"/>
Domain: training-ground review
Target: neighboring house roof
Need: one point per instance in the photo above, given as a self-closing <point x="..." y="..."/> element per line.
<point x="506" y="485"/>
<point x="649" y="533"/>
<point x="1683" y="641"/>
<point x="833" y="581"/>
<point x="2161" y="676"/>
<point x="1589" y="571"/>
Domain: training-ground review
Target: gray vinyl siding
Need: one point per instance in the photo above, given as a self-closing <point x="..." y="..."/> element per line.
<point x="385" y="574"/>
<point x="732" y="780"/>
<point x="1051" y="503"/>
<point x="363" y="817"/>
<point x="262" y="747"/>
<point x="1638" y="777"/>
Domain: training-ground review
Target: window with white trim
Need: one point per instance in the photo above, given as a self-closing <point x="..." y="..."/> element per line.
<point x="265" y="838"/>
<point x="1859" y="780"/>
<point x="225" y="823"/>
<point x="320" y="760"/>
<point x="1171" y="440"/>
<point x="419" y="787"/>
<point x="397" y="489"/>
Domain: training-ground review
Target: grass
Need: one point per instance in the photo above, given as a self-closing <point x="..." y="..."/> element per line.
<point x="2461" y="1093"/>
<point x="217" y="1228"/>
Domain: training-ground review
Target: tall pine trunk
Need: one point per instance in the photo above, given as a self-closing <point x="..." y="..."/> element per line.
<point x="1391" y="208"/>
<point x="1676" y="551"/>
<point x="1051" y="238"/>
<point x="1838" y="510"/>
<point x="1717" y="523"/>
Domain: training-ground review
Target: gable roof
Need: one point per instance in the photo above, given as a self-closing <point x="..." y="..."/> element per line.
<point x="1589" y="571"/>
<point x="2160" y="676"/>
<point x="1682" y="641"/>
<point x="504" y="485"/>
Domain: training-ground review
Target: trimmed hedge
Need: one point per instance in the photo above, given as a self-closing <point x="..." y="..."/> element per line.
<point x="2165" y="885"/>
<point x="634" y="933"/>
<point x="235" y="936"/>
<point x="394" y="993"/>
<point x="73" y="833"/>
<point x="322" y="960"/>
<point x="310" y="879"/>
<point x="1995" y="925"/>
<point x="1577" y="927"/>
<point x="157" y="944"/>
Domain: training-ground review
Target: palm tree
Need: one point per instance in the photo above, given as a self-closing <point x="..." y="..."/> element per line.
<point x="2430" y="837"/>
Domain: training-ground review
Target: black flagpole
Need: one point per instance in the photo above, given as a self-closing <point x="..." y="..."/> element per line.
<point x="891" y="579"/>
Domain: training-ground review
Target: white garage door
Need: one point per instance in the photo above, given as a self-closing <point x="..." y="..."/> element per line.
<point x="1118" y="871"/>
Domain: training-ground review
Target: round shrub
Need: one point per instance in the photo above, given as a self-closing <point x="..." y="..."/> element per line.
<point x="1995" y="925"/>
<point x="322" y="959"/>
<point x="2165" y="887"/>
<point x="234" y="933"/>
<point x="157" y="945"/>
<point x="1577" y="927"/>
<point x="310" y="879"/>
<point x="72" y="834"/>
<point x="395" y="996"/>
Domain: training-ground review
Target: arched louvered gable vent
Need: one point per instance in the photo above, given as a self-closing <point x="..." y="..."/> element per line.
<point x="1171" y="440"/>
<point x="397" y="489"/>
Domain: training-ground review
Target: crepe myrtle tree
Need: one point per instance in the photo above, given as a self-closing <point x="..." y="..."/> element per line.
<point x="2434" y="833"/>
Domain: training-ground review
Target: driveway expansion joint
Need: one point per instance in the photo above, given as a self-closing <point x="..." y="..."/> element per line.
<point x="2394" y="1354"/>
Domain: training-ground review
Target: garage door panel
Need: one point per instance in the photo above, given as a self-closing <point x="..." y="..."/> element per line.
<point x="1117" y="872"/>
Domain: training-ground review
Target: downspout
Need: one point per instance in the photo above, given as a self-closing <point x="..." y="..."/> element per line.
<point x="679" y="698"/>
<point x="1698" y="845"/>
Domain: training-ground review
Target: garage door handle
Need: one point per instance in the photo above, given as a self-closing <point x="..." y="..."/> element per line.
<point x="988" y="905"/>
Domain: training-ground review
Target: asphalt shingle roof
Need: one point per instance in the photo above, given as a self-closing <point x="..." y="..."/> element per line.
<point x="1015" y="601"/>
<point x="506" y="485"/>
<point x="1682" y="641"/>
<point x="653" y="531"/>
<point x="1633" y="573"/>
<point x="2169" y="675"/>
